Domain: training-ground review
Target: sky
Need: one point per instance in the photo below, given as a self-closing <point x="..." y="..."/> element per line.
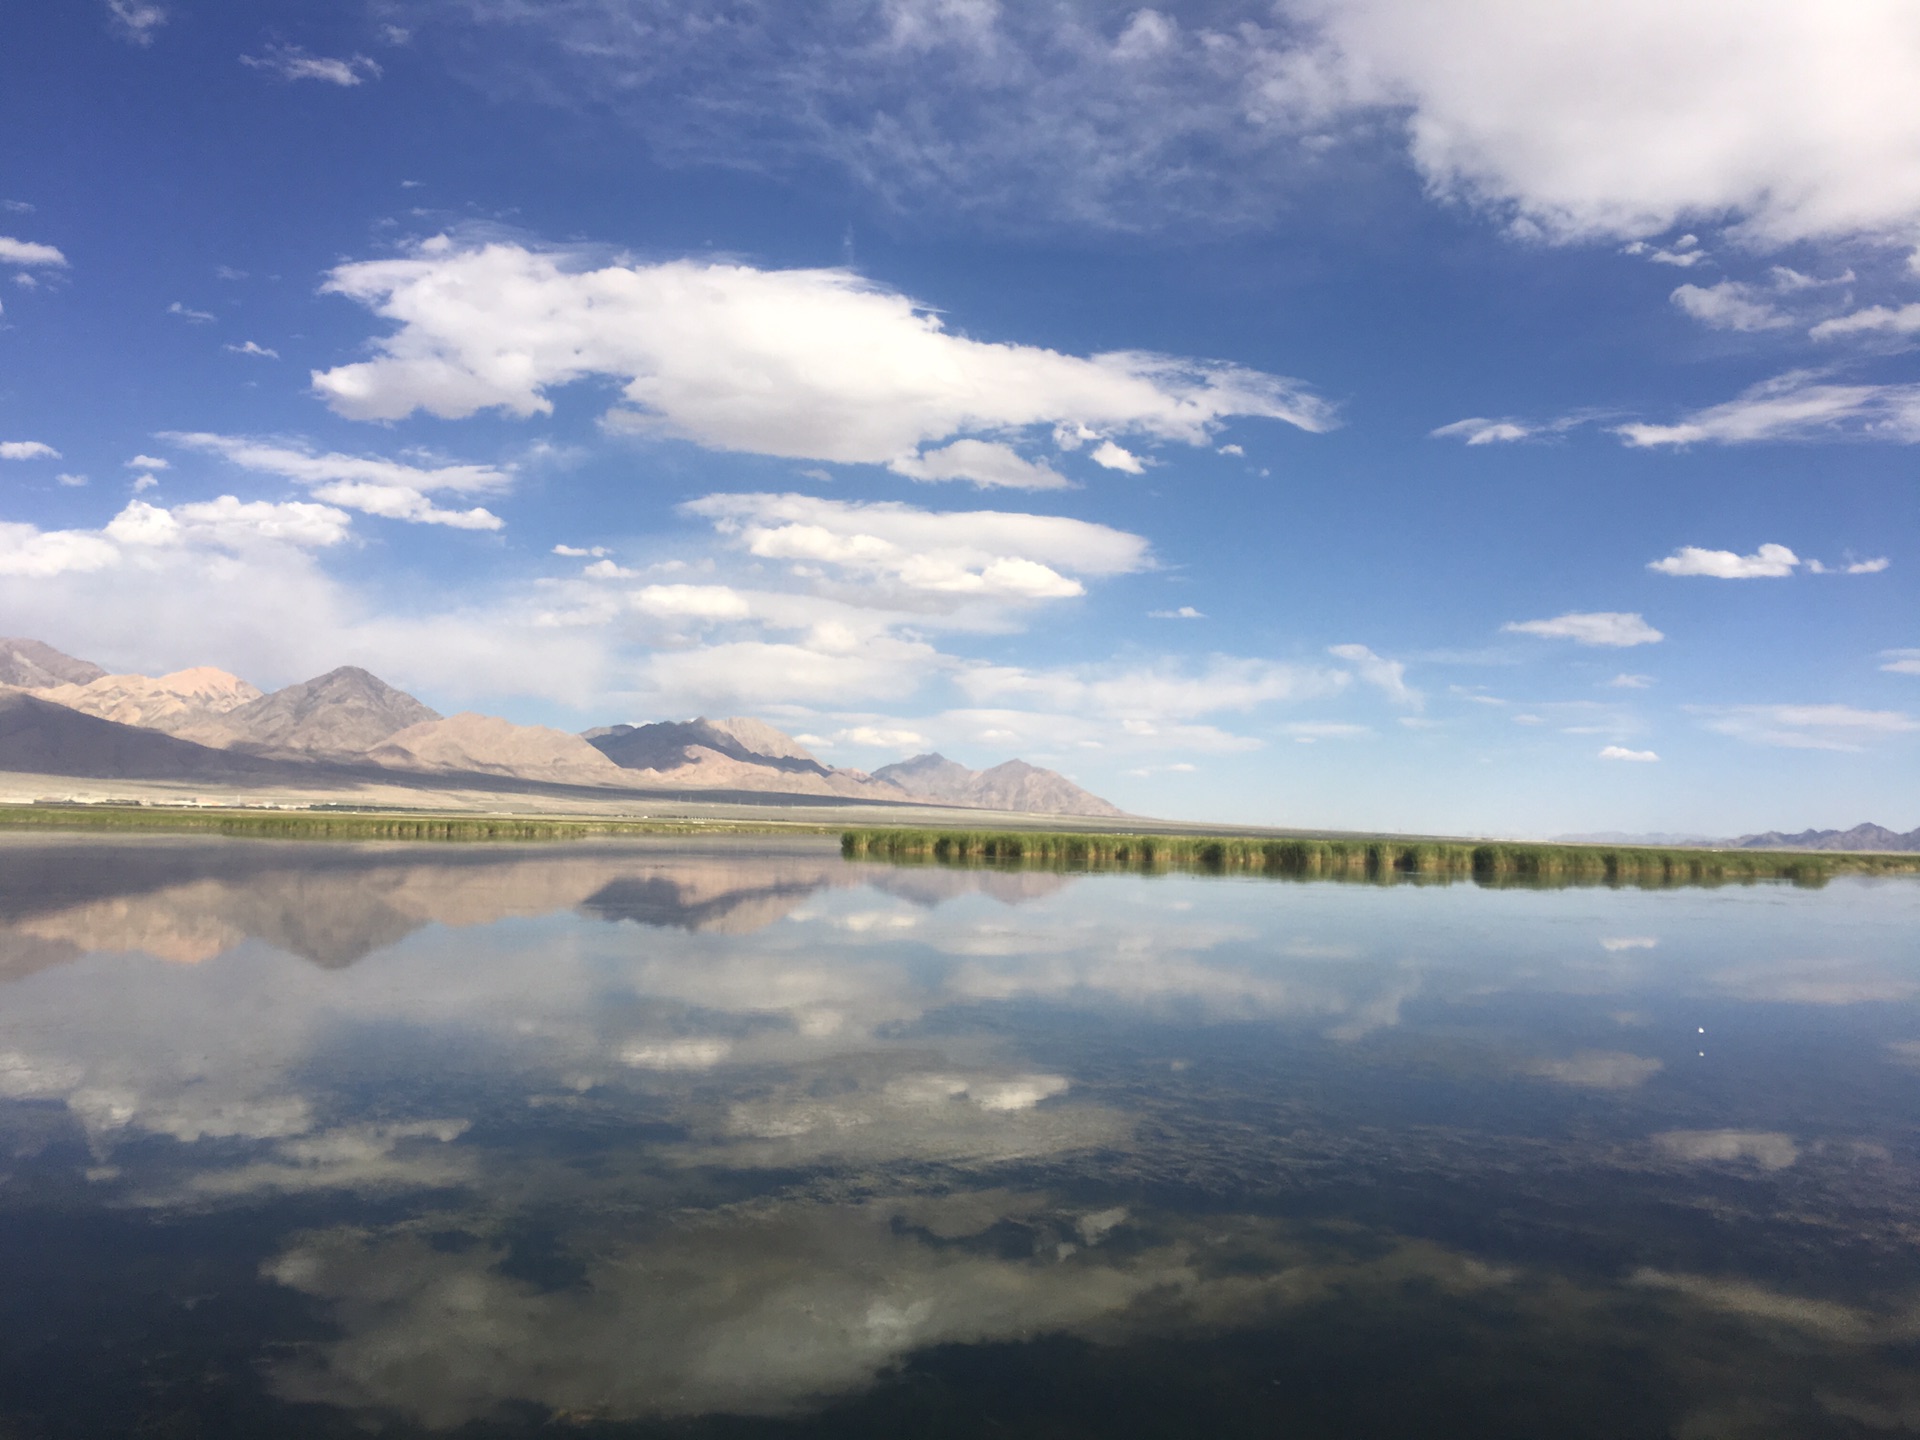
<point x="1455" y="416"/>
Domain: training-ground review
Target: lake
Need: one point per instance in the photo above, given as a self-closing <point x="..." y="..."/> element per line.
<point x="742" y="1139"/>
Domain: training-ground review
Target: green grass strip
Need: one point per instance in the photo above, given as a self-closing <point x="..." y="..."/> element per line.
<point x="349" y="824"/>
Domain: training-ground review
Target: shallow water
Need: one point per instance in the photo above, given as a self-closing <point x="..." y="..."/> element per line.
<point x="743" y="1139"/>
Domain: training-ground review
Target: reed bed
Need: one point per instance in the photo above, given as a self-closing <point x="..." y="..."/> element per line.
<point x="345" y="824"/>
<point x="1377" y="860"/>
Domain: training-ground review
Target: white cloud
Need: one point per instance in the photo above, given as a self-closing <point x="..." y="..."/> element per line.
<point x="1807" y="727"/>
<point x="578" y="552"/>
<point x="1185" y="612"/>
<point x="148" y="462"/>
<point x="1685" y="252"/>
<point x="291" y="62"/>
<point x="987" y="463"/>
<point x="1731" y="305"/>
<point x="1619" y="752"/>
<point x="73" y="482"/>
<point x="1901" y="662"/>
<point x="1768" y="562"/>
<point x="252" y="348"/>
<point x="1481" y="431"/>
<point x="985" y="553"/>
<point x="1630" y="682"/>
<point x="387" y="488"/>
<point x="692" y="602"/>
<point x="1795" y="406"/>
<point x="1151" y="693"/>
<point x="27" y="450"/>
<point x="882" y="738"/>
<point x="1874" y="320"/>
<point x="136" y="20"/>
<point x="144" y="483"/>
<point x="1857" y="567"/>
<point x="1388" y="676"/>
<point x="803" y="364"/>
<point x="1110" y="456"/>
<point x="28" y="252"/>
<point x="226" y="523"/>
<point x="1601" y="627"/>
<point x="197" y="317"/>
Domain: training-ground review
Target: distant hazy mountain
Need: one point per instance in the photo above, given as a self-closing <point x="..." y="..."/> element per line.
<point x="485" y="744"/>
<point x="1015" y="785"/>
<point x="733" y="754"/>
<point x="41" y="737"/>
<point x="179" y="704"/>
<point x="34" y="665"/>
<point x="1860" y="837"/>
<point x="64" y="716"/>
<point x="345" y="712"/>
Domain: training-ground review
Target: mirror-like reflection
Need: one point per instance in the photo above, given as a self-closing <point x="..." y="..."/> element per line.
<point x="312" y="1139"/>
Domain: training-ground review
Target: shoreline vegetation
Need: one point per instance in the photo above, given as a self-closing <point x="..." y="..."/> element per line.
<point x="1380" y="860"/>
<point x="1377" y="860"/>
<point x="358" y="823"/>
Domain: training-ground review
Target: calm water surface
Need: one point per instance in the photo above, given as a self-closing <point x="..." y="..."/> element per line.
<point x="744" y="1140"/>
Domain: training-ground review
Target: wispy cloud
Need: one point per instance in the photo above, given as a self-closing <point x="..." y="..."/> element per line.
<point x="1620" y="752"/>
<point x="1873" y="320"/>
<point x="1731" y="305"/>
<point x="391" y="489"/>
<point x="1901" y="662"/>
<point x="1185" y="612"/>
<point x="1612" y="628"/>
<point x="291" y="62"/>
<point x="251" y="348"/>
<point x="197" y="317"/>
<point x="136" y="20"/>
<point x="1799" y="405"/>
<point x="1807" y="727"/>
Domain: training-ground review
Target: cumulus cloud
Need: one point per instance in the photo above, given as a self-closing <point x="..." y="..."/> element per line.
<point x="1620" y="752"/>
<point x="1856" y="567"/>
<point x="291" y="62"/>
<point x="1798" y="405"/>
<point x="27" y="450"/>
<point x="1600" y="627"/>
<point x="1768" y="562"/>
<point x="28" y="253"/>
<point x="136" y="20"/>
<point x="1731" y="305"/>
<point x="387" y="488"/>
<point x="251" y="347"/>
<point x="148" y="462"/>
<point x="1807" y="727"/>
<point x="803" y="364"/>
<point x="699" y="602"/>
<point x="999" y="554"/>
<point x="225" y="523"/>
<point x="581" y="552"/>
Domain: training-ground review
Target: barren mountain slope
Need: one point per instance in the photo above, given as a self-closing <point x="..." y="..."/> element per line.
<point x="35" y="665"/>
<point x="486" y="744"/>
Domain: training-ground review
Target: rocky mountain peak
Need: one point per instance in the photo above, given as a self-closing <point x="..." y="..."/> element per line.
<point x="36" y="665"/>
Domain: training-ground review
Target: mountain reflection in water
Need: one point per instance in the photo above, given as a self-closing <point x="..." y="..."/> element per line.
<point x="637" y="1136"/>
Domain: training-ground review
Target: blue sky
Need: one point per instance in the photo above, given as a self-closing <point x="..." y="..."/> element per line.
<point x="1448" y="415"/>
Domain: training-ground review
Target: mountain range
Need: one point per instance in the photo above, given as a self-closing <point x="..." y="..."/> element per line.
<point x="63" y="716"/>
<point x="1860" y="837"/>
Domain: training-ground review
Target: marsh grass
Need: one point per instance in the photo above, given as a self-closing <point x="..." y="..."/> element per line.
<point x="1377" y="860"/>
<point x="357" y="825"/>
